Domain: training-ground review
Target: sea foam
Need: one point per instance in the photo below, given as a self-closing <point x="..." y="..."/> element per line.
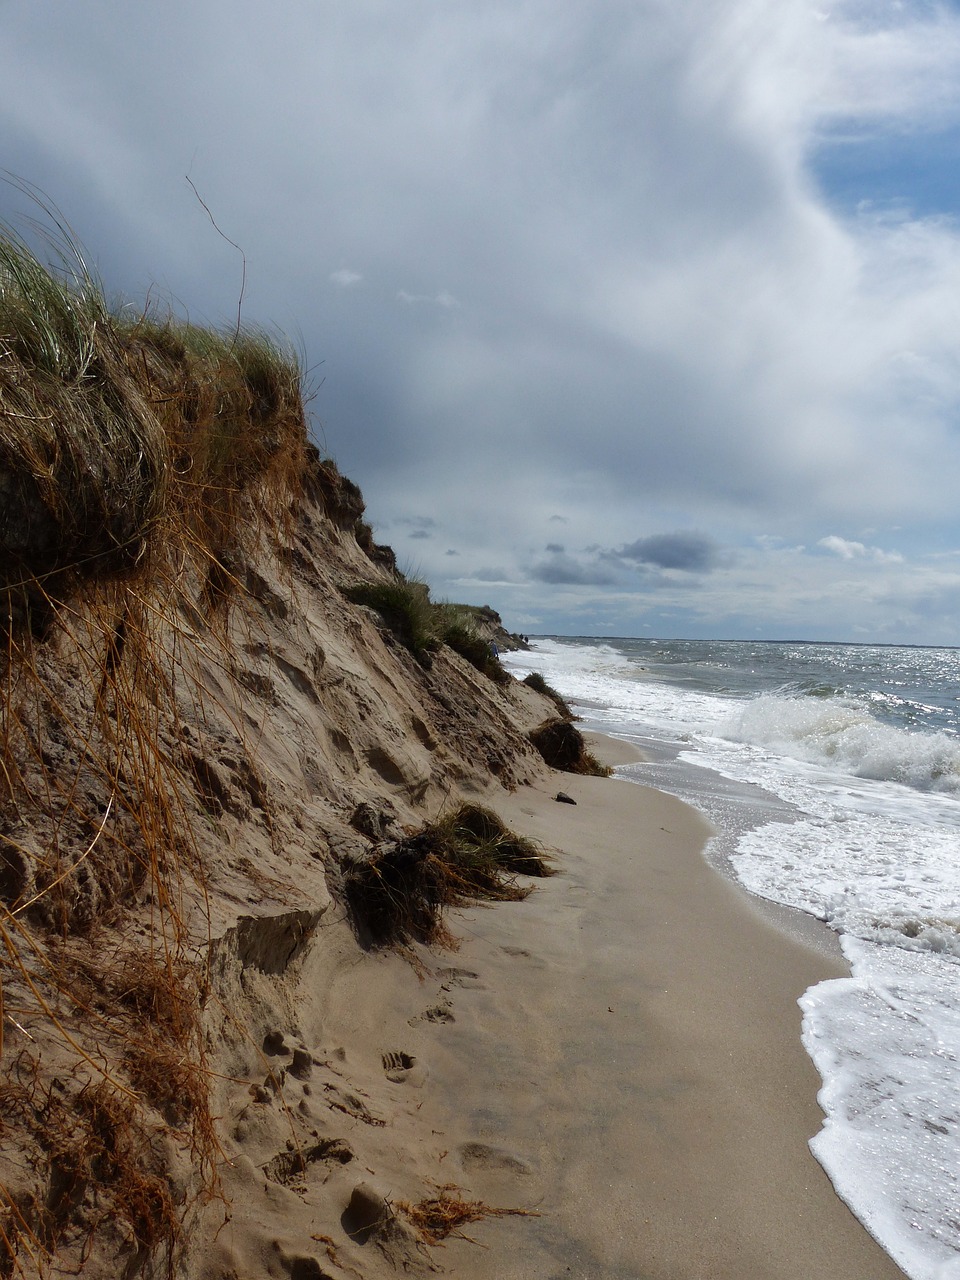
<point x="862" y="747"/>
<point x="887" y="1043"/>
<point x="844" y="734"/>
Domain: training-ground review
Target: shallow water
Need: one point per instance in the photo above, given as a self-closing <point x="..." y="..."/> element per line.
<point x="844" y="765"/>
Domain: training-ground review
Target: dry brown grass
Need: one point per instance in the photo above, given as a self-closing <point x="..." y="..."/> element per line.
<point x="143" y="462"/>
<point x="442" y="1215"/>
<point x="100" y="1172"/>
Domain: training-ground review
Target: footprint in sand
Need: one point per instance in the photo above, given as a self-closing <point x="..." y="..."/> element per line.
<point x="442" y="1012"/>
<point x="289" y="1166"/>
<point x="460" y="978"/>
<point x="480" y="1155"/>
<point x="397" y="1065"/>
<point x="300" y="1266"/>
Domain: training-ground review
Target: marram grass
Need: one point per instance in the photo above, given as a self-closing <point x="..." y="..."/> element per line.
<point x="122" y="434"/>
<point x="141" y="459"/>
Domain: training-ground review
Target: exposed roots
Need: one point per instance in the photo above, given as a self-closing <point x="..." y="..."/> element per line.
<point x="562" y="747"/>
<point x="443" y="1215"/>
<point x="143" y="463"/>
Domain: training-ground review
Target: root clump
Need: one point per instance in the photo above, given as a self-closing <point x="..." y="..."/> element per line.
<point x="401" y="891"/>
<point x="440" y="1216"/>
<point x="562" y="746"/>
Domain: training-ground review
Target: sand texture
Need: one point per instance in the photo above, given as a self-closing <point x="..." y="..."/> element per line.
<point x="187" y="777"/>
<point x="618" y="1055"/>
<point x="637" y="1046"/>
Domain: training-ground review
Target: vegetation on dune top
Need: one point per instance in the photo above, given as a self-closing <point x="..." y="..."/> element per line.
<point x="123" y="433"/>
<point x="423" y="625"/>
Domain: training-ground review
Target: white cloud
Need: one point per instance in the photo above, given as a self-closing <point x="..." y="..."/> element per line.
<point x="841" y="547"/>
<point x="345" y="278"/>
<point x="441" y="299"/>
<point x="848" y="550"/>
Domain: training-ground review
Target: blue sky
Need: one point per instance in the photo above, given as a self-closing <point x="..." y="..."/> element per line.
<point x="917" y="174"/>
<point x="628" y="317"/>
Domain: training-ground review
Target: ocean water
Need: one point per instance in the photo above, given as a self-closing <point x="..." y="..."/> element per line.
<point x="833" y="779"/>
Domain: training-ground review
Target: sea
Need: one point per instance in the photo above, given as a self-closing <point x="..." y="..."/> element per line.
<point x="831" y="774"/>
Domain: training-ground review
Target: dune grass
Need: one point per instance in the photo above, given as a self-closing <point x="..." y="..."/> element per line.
<point x="405" y="606"/>
<point x="536" y="681"/>
<point x="401" y="892"/>
<point x="423" y="625"/>
<point x="460" y="627"/>
<point x="125" y="434"/>
<point x="141" y="459"/>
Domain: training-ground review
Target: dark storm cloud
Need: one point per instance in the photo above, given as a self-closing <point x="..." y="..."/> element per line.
<point x="693" y="552"/>
<point x="565" y="570"/>
<point x="417" y="522"/>
<point x="492" y="575"/>
<point x="548" y="264"/>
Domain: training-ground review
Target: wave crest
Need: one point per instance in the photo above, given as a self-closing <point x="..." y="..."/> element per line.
<point x="843" y="734"/>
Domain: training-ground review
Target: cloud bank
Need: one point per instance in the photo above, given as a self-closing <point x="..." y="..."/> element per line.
<point x="681" y="281"/>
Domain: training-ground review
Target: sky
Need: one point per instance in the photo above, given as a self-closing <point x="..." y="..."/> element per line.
<point x="629" y="317"/>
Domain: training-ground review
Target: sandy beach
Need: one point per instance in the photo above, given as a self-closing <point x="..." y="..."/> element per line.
<point x="626" y="1060"/>
<point x="246" y="1031"/>
<point x="618" y="1056"/>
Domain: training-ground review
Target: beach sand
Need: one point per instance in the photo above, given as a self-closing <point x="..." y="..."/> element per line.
<point x="626" y="1060"/>
<point x="618" y="1055"/>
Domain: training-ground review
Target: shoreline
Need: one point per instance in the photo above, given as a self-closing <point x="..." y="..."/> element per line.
<point x="760" y="807"/>
<point x="626" y="1061"/>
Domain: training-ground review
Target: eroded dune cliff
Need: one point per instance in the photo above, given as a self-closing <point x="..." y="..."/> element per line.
<point x="202" y="733"/>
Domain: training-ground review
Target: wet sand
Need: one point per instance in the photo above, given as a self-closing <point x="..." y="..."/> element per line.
<point x="626" y="1061"/>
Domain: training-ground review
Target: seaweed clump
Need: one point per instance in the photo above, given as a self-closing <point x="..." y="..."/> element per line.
<point x="437" y="1217"/>
<point x="400" y="892"/>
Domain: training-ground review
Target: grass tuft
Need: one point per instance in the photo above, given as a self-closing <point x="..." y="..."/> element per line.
<point x="459" y="627"/>
<point x="125" y="439"/>
<point x="406" y="608"/>
<point x="401" y="892"/>
<point x="437" y="1217"/>
<point x="422" y="625"/>
<point x="536" y="682"/>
